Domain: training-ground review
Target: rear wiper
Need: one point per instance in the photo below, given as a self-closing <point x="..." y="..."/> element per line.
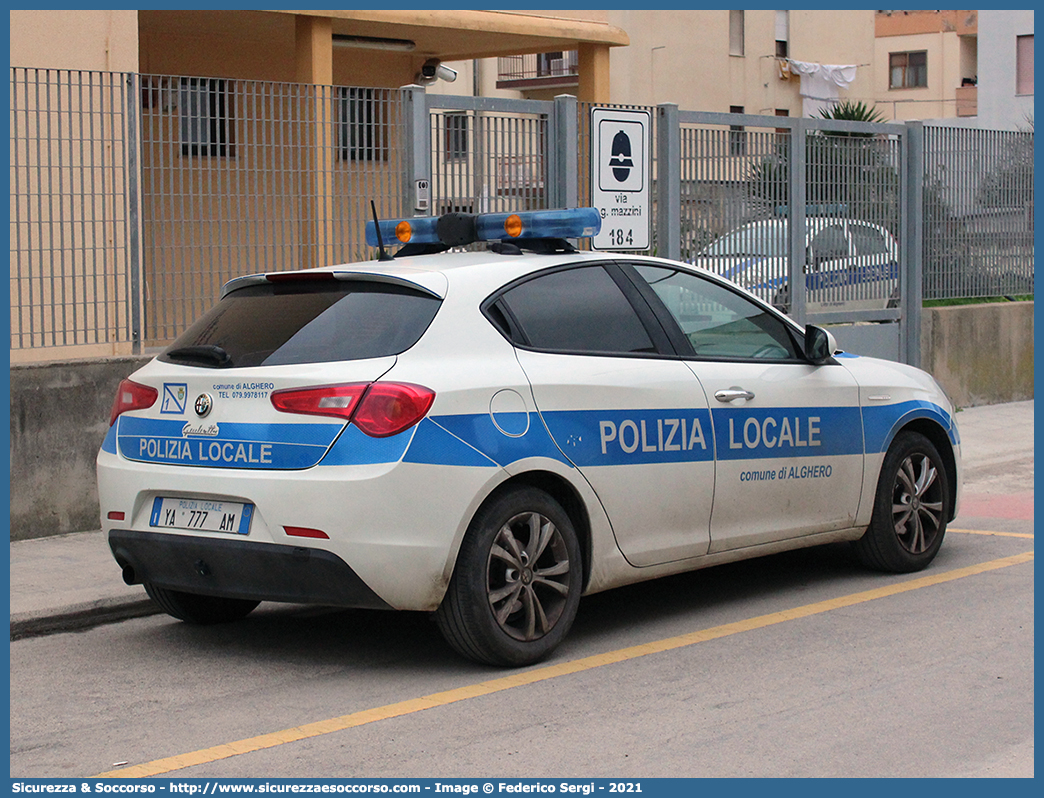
<point x="204" y="354"/>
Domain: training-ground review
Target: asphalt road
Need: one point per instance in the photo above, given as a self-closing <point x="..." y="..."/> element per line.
<point x="933" y="681"/>
<point x="801" y="664"/>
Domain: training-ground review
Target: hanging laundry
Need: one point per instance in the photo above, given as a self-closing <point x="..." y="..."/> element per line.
<point x="821" y="84"/>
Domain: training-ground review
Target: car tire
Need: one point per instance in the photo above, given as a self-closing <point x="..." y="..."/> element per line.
<point x="910" y="508"/>
<point x="202" y="610"/>
<point x="516" y="585"/>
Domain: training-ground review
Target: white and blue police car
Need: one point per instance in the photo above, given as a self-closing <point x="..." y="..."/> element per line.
<point x="490" y="435"/>
<point x="849" y="263"/>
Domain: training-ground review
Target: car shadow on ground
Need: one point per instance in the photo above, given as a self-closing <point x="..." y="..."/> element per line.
<point x="328" y="637"/>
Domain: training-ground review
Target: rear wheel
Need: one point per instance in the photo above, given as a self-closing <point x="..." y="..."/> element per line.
<point x="516" y="585"/>
<point x="196" y="609"/>
<point x="910" y="508"/>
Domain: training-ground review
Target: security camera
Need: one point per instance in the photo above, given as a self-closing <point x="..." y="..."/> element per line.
<point x="433" y="70"/>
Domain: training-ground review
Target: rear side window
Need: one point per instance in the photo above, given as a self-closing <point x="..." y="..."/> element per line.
<point x="577" y="310"/>
<point x="308" y="321"/>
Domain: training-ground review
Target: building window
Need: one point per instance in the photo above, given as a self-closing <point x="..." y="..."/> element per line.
<point x="364" y="125"/>
<point x="737" y="134"/>
<point x="908" y="70"/>
<point x="456" y="138"/>
<point x="782" y="34"/>
<point x="1024" y="64"/>
<point x="735" y="33"/>
<point x="206" y="117"/>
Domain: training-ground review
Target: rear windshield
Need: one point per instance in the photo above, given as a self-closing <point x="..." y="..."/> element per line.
<point x="310" y="321"/>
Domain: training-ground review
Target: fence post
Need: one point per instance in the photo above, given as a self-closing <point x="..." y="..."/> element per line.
<point x="797" y="177"/>
<point x="668" y="182"/>
<point x="563" y="157"/>
<point x="911" y="286"/>
<point x="417" y="191"/>
<point x="132" y="97"/>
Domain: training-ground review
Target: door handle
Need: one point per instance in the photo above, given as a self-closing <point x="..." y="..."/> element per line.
<point x="732" y="394"/>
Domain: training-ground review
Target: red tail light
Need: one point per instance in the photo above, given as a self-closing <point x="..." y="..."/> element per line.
<point x="338" y="401"/>
<point x="132" y="396"/>
<point x="391" y="407"/>
<point x="379" y="409"/>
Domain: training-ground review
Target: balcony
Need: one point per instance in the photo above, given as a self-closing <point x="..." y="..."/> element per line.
<point x="538" y="70"/>
<point x="967" y="101"/>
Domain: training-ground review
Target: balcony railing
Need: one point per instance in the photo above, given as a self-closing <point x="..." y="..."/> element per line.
<point x="537" y="69"/>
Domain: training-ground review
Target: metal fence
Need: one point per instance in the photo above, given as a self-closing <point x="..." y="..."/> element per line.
<point x="244" y="176"/>
<point x="978" y="213"/>
<point x="488" y="155"/>
<point x="134" y="197"/>
<point x="784" y="190"/>
<point x="71" y="281"/>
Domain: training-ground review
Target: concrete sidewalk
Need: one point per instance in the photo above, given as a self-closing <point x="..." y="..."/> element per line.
<point x="72" y="582"/>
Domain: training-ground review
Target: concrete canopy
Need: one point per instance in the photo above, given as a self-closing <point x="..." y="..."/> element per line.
<point x="454" y="35"/>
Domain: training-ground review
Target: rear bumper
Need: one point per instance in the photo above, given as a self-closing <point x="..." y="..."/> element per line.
<point x="240" y="569"/>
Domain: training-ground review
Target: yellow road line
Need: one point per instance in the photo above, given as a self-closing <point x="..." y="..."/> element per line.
<point x="305" y="731"/>
<point x="1027" y="535"/>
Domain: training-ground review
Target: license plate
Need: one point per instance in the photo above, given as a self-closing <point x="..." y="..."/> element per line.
<point x="201" y="514"/>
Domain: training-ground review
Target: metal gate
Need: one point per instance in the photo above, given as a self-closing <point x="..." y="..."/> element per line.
<point x="811" y="215"/>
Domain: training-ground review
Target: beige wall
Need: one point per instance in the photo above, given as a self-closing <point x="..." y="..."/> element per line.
<point x="937" y="100"/>
<point x="99" y="40"/>
<point x="683" y="57"/>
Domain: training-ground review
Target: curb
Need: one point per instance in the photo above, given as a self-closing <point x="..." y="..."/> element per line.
<point x="79" y="617"/>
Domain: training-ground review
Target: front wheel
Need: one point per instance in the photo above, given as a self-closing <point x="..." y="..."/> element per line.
<point x="517" y="581"/>
<point x="910" y="508"/>
<point x="196" y="609"/>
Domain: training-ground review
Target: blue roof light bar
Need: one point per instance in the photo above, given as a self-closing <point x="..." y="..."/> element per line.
<point x="456" y="229"/>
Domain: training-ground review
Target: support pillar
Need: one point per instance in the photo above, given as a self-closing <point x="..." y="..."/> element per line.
<point x="314" y="55"/>
<point x="593" y="63"/>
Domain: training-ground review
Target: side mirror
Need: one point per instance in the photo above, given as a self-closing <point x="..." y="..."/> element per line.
<point x="819" y="345"/>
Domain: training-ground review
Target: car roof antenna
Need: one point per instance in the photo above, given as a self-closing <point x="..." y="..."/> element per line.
<point x="383" y="255"/>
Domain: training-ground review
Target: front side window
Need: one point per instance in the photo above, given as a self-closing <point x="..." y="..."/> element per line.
<point x="761" y="239"/>
<point x="578" y="310"/>
<point x="716" y="321"/>
<point x="908" y="70"/>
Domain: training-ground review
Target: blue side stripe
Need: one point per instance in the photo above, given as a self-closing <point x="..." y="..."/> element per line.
<point x="109" y="444"/>
<point x="478" y="431"/>
<point x="633" y="437"/>
<point x="354" y="447"/>
<point x="260" y="446"/>
<point x="883" y="422"/>
<point x="581" y="438"/>
<point x="434" y="445"/>
<point x="762" y="434"/>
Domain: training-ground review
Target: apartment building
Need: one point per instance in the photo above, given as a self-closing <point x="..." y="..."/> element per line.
<point x="926" y="64"/>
